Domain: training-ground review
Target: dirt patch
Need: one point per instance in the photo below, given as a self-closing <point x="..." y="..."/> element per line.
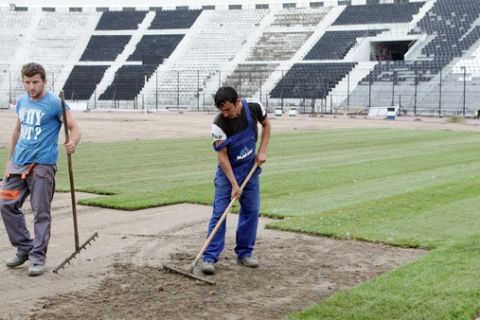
<point x="296" y="271"/>
<point x="120" y="275"/>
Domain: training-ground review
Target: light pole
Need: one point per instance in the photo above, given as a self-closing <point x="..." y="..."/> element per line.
<point x="393" y="87"/>
<point x="464" y="88"/>
<point x="440" y="96"/>
<point x="9" y="87"/>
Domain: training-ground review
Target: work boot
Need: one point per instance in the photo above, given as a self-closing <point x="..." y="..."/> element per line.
<point x="249" y="261"/>
<point x="208" y="267"/>
<point x="16" y="261"/>
<point x="35" y="270"/>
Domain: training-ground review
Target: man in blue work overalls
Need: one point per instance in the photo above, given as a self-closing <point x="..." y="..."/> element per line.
<point x="234" y="132"/>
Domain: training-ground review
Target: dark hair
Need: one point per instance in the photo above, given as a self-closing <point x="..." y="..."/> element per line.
<point x="32" y="68"/>
<point x="225" y="94"/>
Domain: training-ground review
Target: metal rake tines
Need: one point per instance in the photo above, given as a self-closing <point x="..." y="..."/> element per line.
<point x="75" y="253"/>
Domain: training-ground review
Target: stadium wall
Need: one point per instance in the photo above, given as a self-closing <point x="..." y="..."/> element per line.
<point x="192" y="4"/>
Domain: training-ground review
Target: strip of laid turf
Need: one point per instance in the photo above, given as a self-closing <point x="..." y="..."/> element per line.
<point x="346" y="166"/>
<point x="388" y="163"/>
<point x="431" y="217"/>
<point x="143" y="174"/>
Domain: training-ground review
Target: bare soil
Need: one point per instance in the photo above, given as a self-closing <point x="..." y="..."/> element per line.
<point x="120" y="275"/>
<point x="122" y="126"/>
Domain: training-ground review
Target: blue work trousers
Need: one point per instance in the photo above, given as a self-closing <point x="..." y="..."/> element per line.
<point x="247" y="218"/>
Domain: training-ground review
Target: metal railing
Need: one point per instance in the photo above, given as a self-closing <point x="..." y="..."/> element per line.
<point x="443" y="95"/>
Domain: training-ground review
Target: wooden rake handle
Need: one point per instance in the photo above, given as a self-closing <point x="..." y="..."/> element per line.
<point x="70" y="174"/>
<point x="222" y="218"/>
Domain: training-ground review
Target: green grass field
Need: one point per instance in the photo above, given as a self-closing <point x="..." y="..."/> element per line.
<point x="407" y="188"/>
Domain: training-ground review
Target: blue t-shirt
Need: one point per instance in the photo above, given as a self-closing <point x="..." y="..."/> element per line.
<point x="40" y="125"/>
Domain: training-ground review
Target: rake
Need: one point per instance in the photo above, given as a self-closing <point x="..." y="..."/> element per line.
<point x="78" y="247"/>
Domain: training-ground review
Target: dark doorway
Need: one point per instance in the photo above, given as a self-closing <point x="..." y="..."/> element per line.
<point x="390" y="50"/>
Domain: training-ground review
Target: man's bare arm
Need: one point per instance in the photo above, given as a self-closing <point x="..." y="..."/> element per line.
<point x="74" y="133"/>
<point x="226" y="166"/>
<point x="262" y="149"/>
<point x="15" y="137"/>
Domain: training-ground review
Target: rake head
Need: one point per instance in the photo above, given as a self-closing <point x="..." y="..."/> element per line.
<point x="75" y="253"/>
<point x="188" y="274"/>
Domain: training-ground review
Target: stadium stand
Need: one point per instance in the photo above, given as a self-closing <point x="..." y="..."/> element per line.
<point x="57" y="36"/>
<point x="175" y="19"/>
<point x="105" y="48"/>
<point x="10" y="42"/>
<point x="299" y="16"/>
<point x="14" y="26"/>
<point x="120" y="20"/>
<point x="334" y="45"/>
<point x="146" y="53"/>
<point x="311" y="80"/>
<point x="471" y="65"/>
<point x="130" y="79"/>
<point x="449" y="24"/>
<point x="378" y="13"/>
<point x="15" y="21"/>
<point x="249" y="78"/>
<point x="82" y="81"/>
<point x="128" y="82"/>
<point x="213" y="41"/>
<point x="274" y="46"/>
<point x="179" y="57"/>
<point x="155" y="48"/>
<point x="52" y="38"/>
<point x="289" y="31"/>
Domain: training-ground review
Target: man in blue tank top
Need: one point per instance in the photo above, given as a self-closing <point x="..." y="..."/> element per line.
<point x="31" y="168"/>
<point x="234" y="132"/>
